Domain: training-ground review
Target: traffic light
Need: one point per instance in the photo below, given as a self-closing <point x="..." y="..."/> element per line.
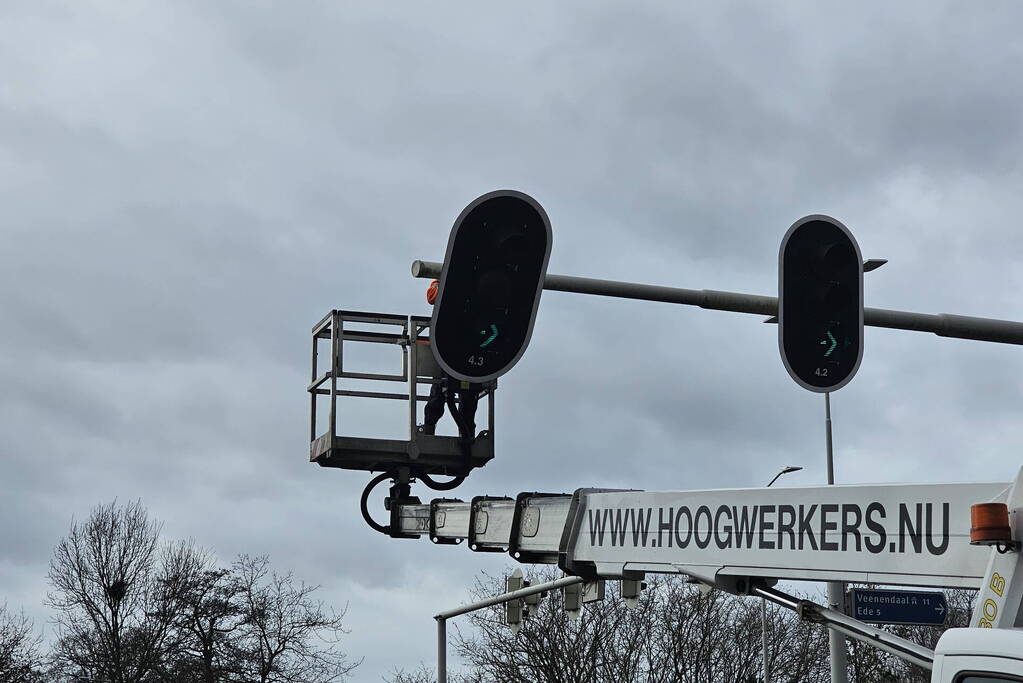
<point x="573" y="593"/>
<point x="531" y="603"/>
<point x="490" y="285"/>
<point x="820" y="303"/>
<point x="513" y="608"/>
<point x="631" y="591"/>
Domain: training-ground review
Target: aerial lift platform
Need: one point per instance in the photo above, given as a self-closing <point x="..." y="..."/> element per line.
<point x="422" y="454"/>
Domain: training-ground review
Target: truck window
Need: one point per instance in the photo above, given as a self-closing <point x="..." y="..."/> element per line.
<point x="985" y="678"/>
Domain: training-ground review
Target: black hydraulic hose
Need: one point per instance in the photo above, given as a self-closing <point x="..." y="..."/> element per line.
<point x="365" y="508"/>
<point x="441" y="485"/>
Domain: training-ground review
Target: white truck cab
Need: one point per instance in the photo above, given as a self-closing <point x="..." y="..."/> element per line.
<point x="978" y="655"/>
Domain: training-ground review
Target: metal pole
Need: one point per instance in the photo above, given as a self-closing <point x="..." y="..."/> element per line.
<point x="836" y="589"/>
<point x="763" y="629"/>
<point x="763" y="603"/>
<point x="335" y="371"/>
<point x="827" y="432"/>
<point x="941" y="324"/>
<point x="442" y="617"/>
<point x="506" y="597"/>
<point x="442" y="650"/>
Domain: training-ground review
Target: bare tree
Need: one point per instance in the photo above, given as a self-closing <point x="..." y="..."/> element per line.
<point x="130" y="609"/>
<point x="20" y="660"/>
<point x="422" y="674"/>
<point x="248" y="624"/>
<point x="116" y="594"/>
<point x="714" y="636"/>
<point x="203" y="646"/>
<point x="284" y="633"/>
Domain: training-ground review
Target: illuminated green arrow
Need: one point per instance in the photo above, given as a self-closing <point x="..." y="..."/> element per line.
<point x="834" y="344"/>
<point x="492" y="337"/>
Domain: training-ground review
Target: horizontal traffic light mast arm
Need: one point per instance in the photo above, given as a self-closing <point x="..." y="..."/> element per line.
<point x="941" y="324"/>
<point x="507" y="597"/>
<point x="705" y="298"/>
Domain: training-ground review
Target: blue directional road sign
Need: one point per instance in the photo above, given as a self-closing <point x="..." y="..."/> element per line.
<point x="920" y="608"/>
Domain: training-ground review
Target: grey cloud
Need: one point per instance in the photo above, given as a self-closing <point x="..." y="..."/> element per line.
<point x="188" y="189"/>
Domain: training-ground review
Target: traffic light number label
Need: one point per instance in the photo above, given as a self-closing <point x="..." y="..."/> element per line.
<point x="821" y="372"/>
<point x="476" y="360"/>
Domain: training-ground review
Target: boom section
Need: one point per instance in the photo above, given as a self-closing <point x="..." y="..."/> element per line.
<point x="915" y="534"/>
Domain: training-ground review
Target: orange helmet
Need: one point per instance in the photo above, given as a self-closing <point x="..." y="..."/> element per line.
<point x="431" y="292"/>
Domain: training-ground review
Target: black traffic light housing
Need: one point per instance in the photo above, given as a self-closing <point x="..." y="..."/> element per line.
<point x="490" y="285"/>
<point x="820" y="303"/>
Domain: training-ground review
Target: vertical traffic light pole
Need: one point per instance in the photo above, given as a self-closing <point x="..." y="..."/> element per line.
<point x="820" y="337"/>
<point x="836" y="589"/>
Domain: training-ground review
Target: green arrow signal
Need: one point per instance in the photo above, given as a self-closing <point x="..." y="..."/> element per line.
<point x="833" y="341"/>
<point x="492" y="337"/>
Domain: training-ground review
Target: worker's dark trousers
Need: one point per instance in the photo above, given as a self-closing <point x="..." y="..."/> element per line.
<point x="467" y="400"/>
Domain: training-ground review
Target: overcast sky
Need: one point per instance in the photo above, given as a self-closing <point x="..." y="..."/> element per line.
<point x="188" y="187"/>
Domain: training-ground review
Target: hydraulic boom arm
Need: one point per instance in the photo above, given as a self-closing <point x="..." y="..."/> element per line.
<point x="889" y="534"/>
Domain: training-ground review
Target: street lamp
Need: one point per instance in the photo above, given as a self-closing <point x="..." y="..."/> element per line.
<point x="763" y="602"/>
<point x="785" y="470"/>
